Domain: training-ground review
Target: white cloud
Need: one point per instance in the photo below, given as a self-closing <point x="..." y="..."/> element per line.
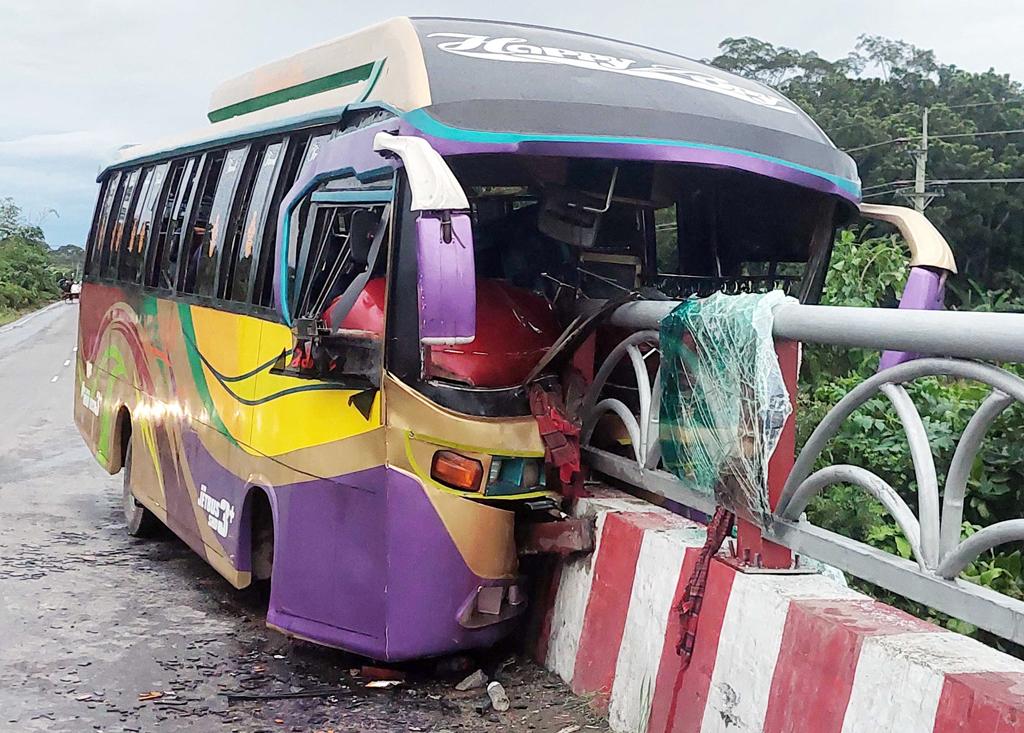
<point x="78" y="79"/>
<point x="90" y="145"/>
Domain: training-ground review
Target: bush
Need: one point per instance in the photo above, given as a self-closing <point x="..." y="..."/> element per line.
<point x="872" y="271"/>
<point x="29" y="269"/>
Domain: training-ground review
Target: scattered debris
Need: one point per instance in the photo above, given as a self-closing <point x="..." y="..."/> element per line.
<point x="483" y="705"/>
<point x="383" y="684"/>
<point x="151" y="695"/>
<point x="569" y="729"/>
<point x="499" y="698"/>
<point x="473" y="681"/>
<point x="323" y="692"/>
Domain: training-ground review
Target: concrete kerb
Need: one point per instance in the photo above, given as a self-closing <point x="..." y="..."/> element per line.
<point x="773" y="652"/>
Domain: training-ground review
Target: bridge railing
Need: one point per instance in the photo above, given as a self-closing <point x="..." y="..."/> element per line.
<point x="958" y="341"/>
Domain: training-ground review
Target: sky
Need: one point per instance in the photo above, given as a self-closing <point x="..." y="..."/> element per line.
<point x="80" y="78"/>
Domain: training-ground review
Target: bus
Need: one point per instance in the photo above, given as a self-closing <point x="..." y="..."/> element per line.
<point x="335" y="339"/>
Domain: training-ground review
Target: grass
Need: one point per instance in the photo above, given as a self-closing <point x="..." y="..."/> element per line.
<point x="7" y="315"/>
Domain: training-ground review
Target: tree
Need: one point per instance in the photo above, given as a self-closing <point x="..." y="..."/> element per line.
<point x="983" y="223"/>
<point x="28" y="270"/>
<point x="14" y="224"/>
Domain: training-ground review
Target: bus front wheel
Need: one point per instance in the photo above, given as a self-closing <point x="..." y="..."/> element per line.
<point x="139" y="521"/>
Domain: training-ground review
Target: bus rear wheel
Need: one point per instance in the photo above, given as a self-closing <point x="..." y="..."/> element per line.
<point x="139" y="521"/>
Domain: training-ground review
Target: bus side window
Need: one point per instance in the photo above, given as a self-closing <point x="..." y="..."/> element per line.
<point x="137" y="234"/>
<point x="162" y="266"/>
<point x="90" y="242"/>
<point x="293" y="155"/>
<point x="209" y="233"/>
<point x="124" y="204"/>
<point x="339" y="240"/>
<point x="250" y="218"/>
<point x="298" y="253"/>
<point x="99" y="231"/>
<point x="195" y="236"/>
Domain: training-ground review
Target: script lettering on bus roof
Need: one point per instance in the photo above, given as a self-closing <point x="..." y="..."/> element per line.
<point x="519" y="50"/>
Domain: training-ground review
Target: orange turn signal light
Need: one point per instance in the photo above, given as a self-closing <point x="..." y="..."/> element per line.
<point x="457" y="471"/>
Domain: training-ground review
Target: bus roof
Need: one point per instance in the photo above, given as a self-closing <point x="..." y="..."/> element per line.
<point x="475" y="82"/>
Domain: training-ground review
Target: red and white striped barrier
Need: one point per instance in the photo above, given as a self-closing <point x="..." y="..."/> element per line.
<point x="773" y="653"/>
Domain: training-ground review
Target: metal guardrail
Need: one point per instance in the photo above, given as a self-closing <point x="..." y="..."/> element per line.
<point x="933" y="532"/>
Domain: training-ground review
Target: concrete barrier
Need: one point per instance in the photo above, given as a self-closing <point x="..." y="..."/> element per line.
<point x="773" y="653"/>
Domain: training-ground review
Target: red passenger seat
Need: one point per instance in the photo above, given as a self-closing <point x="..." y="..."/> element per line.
<point x="514" y="328"/>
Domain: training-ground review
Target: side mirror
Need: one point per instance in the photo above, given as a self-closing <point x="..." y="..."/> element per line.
<point x="931" y="262"/>
<point x="446" y="284"/>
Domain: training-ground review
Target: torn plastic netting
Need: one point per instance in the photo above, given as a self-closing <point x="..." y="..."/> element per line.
<point x="724" y="401"/>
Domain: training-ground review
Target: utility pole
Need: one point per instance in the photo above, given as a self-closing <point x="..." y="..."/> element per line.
<point x="921" y="195"/>
<point x="921" y="167"/>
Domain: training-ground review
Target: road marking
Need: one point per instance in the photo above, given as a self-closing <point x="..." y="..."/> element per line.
<point x="75" y="348"/>
<point x="55" y="377"/>
<point x="67" y="362"/>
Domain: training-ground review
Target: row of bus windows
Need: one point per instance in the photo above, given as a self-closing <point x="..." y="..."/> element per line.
<point x="201" y="225"/>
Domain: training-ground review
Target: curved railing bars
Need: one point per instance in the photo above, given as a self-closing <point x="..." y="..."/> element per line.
<point x="900" y="374"/>
<point x="924" y="472"/>
<point x="960" y="467"/>
<point x="985" y="539"/>
<point x="643" y="427"/>
<point x="934" y="533"/>
<point x="871" y="483"/>
<point x="937" y="528"/>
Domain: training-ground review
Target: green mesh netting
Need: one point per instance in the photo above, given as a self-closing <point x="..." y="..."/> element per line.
<point x="724" y="401"/>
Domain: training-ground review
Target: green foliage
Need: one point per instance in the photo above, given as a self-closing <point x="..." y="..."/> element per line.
<point x="877" y="93"/>
<point x="68" y="258"/>
<point x="869" y="271"/>
<point x="29" y="269"/>
<point x="864" y="271"/>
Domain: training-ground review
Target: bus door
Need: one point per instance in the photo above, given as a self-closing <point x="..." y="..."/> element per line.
<point x="325" y="394"/>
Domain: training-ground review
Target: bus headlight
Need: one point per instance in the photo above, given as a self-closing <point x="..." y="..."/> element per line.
<point x="456" y="471"/>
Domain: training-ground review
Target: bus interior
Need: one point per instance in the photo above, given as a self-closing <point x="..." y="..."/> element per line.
<point x="554" y="237"/>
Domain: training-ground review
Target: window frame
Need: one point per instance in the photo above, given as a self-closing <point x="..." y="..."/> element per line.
<point x="145" y="204"/>
<point x="181" y="212"/>
<point x="103" y="253"/>
<point x="242" y="211"/>
<point x="90" y="244"/>
<point x="376" y="202"/>
<point x="292" y="156"/>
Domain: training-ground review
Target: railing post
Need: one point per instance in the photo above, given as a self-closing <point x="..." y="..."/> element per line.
<point x="751" y="546"/>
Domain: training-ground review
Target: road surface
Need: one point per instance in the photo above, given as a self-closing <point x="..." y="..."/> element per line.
<point x="92" y="620"/>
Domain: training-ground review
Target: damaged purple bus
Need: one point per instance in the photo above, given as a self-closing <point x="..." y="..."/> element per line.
<point x="337" y="340"/>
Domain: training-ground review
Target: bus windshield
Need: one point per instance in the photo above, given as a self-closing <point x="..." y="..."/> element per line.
<point x="552" y="233"/>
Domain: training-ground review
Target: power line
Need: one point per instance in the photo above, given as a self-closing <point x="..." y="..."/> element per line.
<point x="944" y="136"/>
<point x="904" y="113"/>
<point x="898" y="186"/>
<point x="887" y="185"/>
<point x="875" y="145"/>
<point x="977" y="134"/>
<point x="983" y="104"/>
<point x="958" y="181"/>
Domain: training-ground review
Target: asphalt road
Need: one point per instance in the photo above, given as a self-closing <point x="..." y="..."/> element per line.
<point x="92" y="620"/>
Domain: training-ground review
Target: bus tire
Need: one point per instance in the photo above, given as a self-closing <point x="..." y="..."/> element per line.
<point x="139" y="521"/>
